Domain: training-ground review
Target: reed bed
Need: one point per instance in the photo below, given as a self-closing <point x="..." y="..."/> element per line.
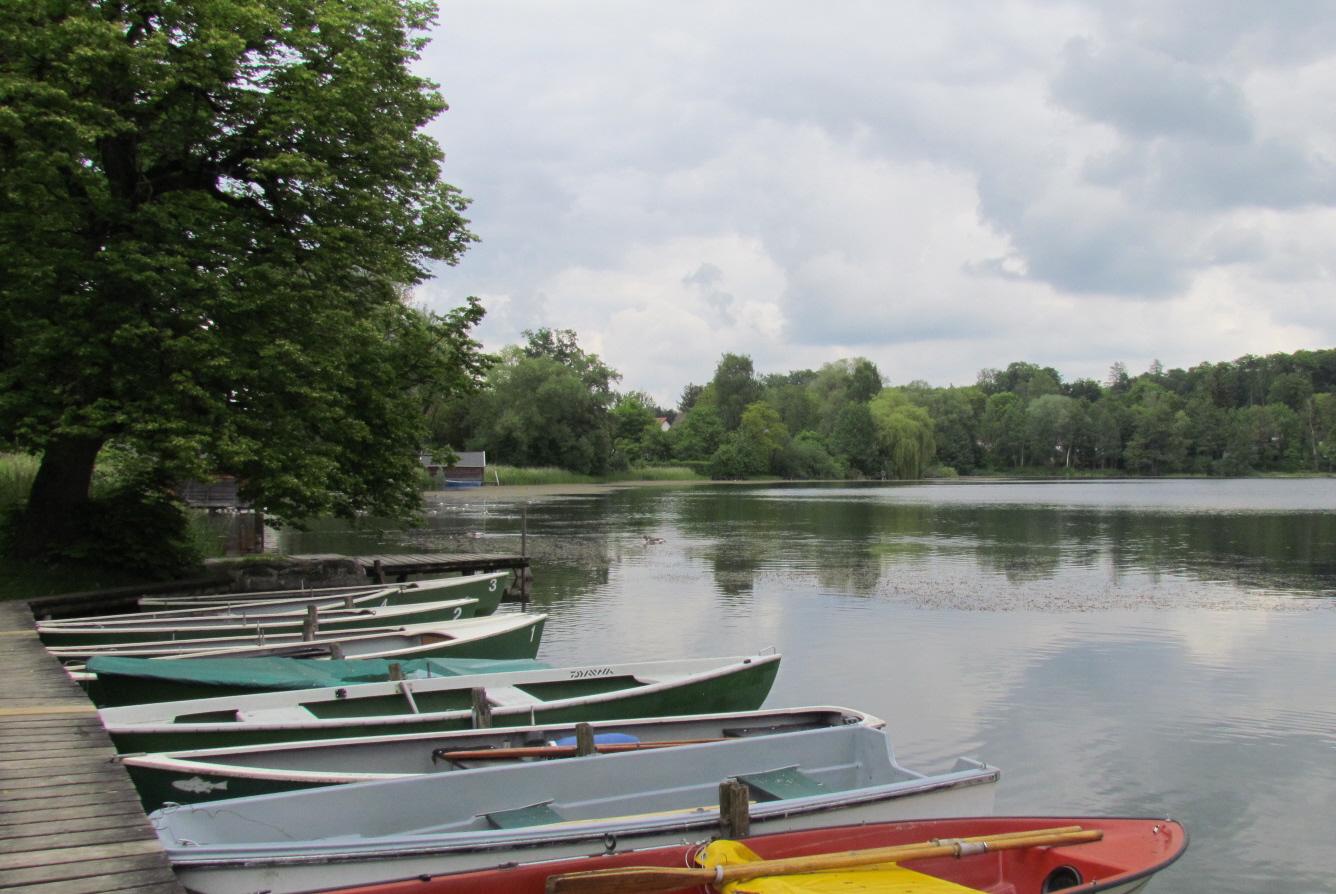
<point x="17" y="471"/>
<point x="523" y="477"/>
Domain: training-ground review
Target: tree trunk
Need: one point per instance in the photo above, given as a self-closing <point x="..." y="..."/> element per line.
<point x="59" y="495"/>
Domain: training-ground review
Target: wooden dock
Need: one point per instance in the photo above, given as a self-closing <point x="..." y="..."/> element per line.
<point x="70" y="821"/>
<point x="401" y="567"/>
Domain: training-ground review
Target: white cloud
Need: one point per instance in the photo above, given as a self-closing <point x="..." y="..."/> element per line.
<point x="938" y="187"/>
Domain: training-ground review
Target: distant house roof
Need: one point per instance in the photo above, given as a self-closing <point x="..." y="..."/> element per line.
<point x="469" y="467"/>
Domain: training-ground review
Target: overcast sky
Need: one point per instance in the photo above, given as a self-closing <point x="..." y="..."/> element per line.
<point x="939" y="187"/>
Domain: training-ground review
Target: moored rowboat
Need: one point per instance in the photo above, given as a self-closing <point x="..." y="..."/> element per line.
<point x="487" y="588"/>
<point x="484" y="590"/>
<point x="135" y="681"/>
<point x="191" y="777"/>
<point x="455" y="822"/>
<point x="598" y="692"/>
<point x="1126" y="855"/>
<point x="509" y="635"/>
<point x="335" y="619"/>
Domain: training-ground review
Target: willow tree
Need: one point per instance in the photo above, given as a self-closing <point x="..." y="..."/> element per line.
<point x="904" y="434"/>
<point x="210" y="214"/>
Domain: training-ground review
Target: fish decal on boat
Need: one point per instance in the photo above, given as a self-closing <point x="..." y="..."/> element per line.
<point x="196" y="786"/>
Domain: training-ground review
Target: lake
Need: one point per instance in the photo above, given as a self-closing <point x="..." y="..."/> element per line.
<point x="1147" y="648"/>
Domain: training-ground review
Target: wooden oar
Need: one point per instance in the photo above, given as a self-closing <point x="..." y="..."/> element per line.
<point x="483" y="754"/>
<point x="653" y="879"/>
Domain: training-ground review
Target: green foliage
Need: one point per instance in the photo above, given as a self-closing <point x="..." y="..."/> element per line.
<point x="904" y="434"/>
<point x="1275" y="414"/>
<point x="735" y="388"/>
<point x="854" y="441"/>
<point x="544" y="404"/>
<point x="1002" y="431"/>
<point x="16" y="474"/>
<point x="806" y="456"/>
<point x="864" y="381"/>
<point x="213" y="210"/>
<point x="637" y="435"/>
<point x="133" y="525"/>
<point x="763" y="435"/>
<point x="733" y="461"/>
<point x="699" y="433"/>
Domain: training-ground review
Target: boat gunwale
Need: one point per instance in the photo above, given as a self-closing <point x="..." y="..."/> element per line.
<point x="151" y="727"/>
<point x="242" y="598"/>
<point x="1117" y="881"/>
<point x="159" y="648"/>
<point x="176" y="761"/>
<point x="384" y="614"/>
<point x="569" y="834"/>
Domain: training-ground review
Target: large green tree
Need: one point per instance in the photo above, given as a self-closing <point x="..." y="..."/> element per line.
<point x="547" y="403"/>
<point x="210" y="212"/>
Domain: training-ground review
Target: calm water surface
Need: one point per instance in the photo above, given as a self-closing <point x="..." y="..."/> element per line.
<point x="1156" y="648"/>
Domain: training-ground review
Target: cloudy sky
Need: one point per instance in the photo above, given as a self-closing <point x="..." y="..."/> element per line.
<point x="939" y="187"/>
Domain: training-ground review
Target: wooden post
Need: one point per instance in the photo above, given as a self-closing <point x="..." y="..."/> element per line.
<point x="482" y="709"/>
<point x="308" y="627"/>
<point x="396" y="672"/>
<point x="378" y="571"/>
<point x="734" y="809"/>
<point x="584" y="740"/>
<point x="523" y="573"/>
<point x="335" y="651"/>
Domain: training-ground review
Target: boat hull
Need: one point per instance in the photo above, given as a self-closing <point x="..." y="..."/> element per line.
<point x="337" y="836"/>
<point x="1124" y="861"/>
<point x="488" y="588"/>
<point x="193" y="777"/>
<point x="499" y="636"/>
<point x="330" y="621"/>
<point x="117" y="681"/>
<point x="571" y="695"/>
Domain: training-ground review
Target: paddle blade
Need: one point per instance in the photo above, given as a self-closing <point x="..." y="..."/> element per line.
<point x="640" y="879"/>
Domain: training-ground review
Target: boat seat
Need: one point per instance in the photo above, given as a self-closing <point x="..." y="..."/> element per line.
<point x="288" y="714"/>
<point x="510" y="697"/>
<point x="540" y="814"/>
<point x="743" y="732"/>
<point x="777" y="785"/>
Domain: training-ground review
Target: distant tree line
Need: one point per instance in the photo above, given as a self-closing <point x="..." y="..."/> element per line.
<point x="550" y="403"/>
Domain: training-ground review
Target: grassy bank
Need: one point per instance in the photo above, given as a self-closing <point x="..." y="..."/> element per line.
<point x="17" y="471"/>
<point x="28" y="580"/>
<point x="512" y="476"/>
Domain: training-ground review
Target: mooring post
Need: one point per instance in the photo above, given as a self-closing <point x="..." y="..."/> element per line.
<point x="482" y="709"/>
<point x="524" y="575"/>
<point x="734" y="809"/>
<point x="584" y="740"/>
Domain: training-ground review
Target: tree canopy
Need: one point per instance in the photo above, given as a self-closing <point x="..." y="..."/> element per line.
<point x="212" y="213"/>
<point x="546" y="403"/>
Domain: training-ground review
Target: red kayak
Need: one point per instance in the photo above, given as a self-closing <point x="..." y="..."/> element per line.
<point x="998" y="855"/>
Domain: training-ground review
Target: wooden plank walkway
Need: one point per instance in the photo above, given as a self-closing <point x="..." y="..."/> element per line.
<point x="70" y="821"/>
<point x="402" y="566"/>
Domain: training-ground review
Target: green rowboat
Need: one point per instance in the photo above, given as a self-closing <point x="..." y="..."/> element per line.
<point x="507" y="635"/>
<point x="598" y="692"/>
<point x="134" y="681"/>
<point x="331" y="620"/>
<point x="487" y="588"/>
